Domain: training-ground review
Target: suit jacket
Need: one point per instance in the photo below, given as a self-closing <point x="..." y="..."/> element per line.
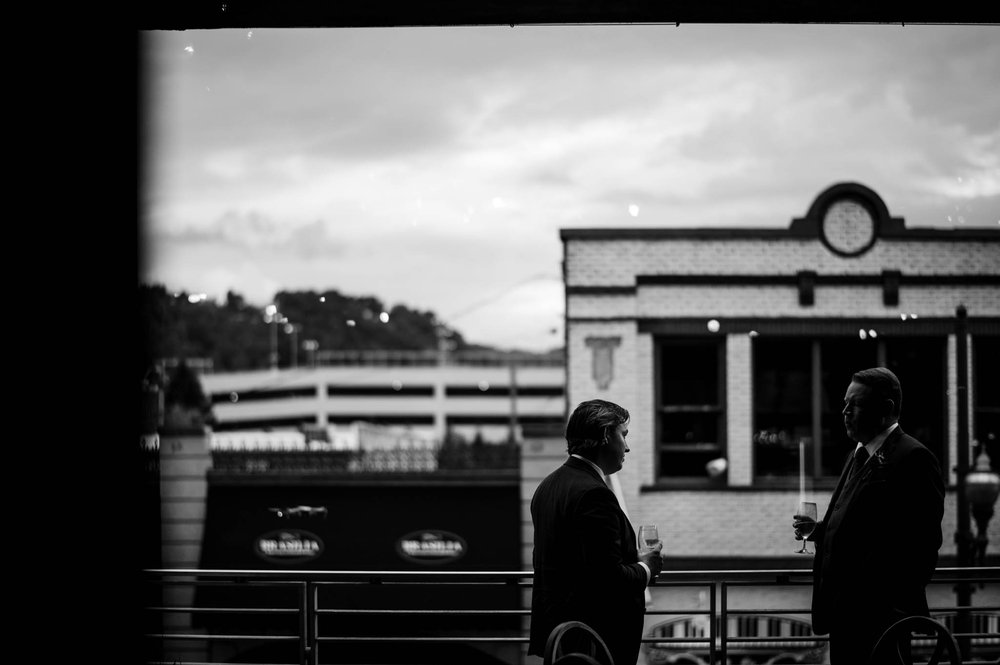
<point x="585" y="562"/>
<point x="877" y="545"/>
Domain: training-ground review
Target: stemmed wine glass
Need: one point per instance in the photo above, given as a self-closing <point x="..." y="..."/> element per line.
<point x="807" y="509"/>
<point x="648" y="537"/>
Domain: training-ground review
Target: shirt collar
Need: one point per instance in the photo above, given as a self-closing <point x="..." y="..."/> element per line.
<point x="877" y="441"/>
<point x="600" y="472"/>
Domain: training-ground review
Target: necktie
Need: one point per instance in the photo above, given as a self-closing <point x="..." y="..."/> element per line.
<point x="860" y="457"/>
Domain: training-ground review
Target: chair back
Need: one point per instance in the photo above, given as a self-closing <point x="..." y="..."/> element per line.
<point x="574" y="642"/>
<point x="894" y="645"/>
<point x="576" y="659"/>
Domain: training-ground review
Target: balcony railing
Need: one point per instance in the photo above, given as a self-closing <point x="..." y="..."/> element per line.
<point x="394" y="358"/>
<point x="439" y="458"/>
<point x="315" y="617"/>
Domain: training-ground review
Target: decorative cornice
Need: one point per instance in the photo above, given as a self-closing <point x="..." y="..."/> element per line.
<point x="601" y="290"/>
<point x="798" y="233"/>
<point x="808" y="227"/>
<point x="776" y="279"/>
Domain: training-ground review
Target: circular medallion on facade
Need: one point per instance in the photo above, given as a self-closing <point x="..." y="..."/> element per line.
<point x="848" y="228"/>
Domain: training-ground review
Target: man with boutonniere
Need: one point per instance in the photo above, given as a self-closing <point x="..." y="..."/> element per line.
<point x="877" y="546"/>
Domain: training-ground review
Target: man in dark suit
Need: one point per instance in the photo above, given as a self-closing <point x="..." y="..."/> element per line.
<point x="877" y="546"/>
<point x="586" y="562"/>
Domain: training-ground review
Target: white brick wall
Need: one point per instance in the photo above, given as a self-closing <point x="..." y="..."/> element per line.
<point x="748" y="523"/>
<point x="726" y="523"/>
<point x="775" y="301"/>
<point x="184" y="462"/>
<point x="942" y="300"/>
<point x="643" y="416"/>
<point x="606" y="262"/>
<point x="739" y="410"/>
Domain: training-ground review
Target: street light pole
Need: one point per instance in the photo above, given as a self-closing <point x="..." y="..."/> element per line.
<point x="513" y="399"/>
<point x="311" y="346"/>
<point x="982" y="486"/>
<point x="963" y="534"/>
<point x="293" y="330"/>
<point x="271" y="316"/>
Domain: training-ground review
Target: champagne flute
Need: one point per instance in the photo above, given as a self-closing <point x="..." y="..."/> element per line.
<point x="806" y="509"/>
<point x="648" y="537"/>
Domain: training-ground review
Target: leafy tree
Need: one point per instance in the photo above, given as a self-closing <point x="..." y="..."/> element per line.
<point x="236" y="336"/>
<point x="184" y="400"/>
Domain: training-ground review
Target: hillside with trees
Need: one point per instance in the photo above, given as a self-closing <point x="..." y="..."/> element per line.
<point x="237" y="336"/>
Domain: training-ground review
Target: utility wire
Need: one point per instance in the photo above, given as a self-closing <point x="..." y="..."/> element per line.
<point x="492" y="299"/>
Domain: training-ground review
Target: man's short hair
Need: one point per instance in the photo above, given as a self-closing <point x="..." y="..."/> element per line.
<point x="590" y="423"/>
<point x="884" y="385"/>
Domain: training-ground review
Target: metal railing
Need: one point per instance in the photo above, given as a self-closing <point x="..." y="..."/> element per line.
<point x="314" y="617"/>
<point x="427" y="357"/>
<point x="445" y="457"/>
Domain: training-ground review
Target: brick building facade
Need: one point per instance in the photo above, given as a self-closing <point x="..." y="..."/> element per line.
<point x="734" y="346"/>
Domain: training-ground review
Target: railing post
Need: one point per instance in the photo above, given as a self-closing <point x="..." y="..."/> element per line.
<point x="713" y="631"/>
<point x="310" y="625"/>
<point x="723" y="622"/>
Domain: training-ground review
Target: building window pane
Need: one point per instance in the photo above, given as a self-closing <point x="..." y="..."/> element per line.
<point x="840" y="358"/>
<point x="690" y="425"/>
<point x="690" y="375"/>
<point x="799" y="387"/>
<point x="920" y="364"/>
<point x="986" y="397"/>
<point x="782" y="401"/>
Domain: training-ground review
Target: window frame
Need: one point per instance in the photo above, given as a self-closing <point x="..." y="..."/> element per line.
<point x="662" y="410"/>
<point x="815" y="455"/>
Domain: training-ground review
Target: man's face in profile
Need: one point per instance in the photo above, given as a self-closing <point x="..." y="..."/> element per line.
<point x="612" y="455"/>
<point x="863" y="416"/>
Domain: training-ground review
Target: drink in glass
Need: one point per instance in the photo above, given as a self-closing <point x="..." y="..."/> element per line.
<point x="805" y="521"/>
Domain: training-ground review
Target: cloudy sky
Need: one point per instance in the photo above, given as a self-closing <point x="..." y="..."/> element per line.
<point x="434" y="167"/>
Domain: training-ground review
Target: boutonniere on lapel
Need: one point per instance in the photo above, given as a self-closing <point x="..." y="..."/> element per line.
<point x="875" y="467"/>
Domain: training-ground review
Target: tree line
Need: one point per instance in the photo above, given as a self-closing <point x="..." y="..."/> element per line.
<point x="237" y="336"/>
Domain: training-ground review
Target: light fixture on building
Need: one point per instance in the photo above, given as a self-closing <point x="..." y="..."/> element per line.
<point x="982" y="485"/>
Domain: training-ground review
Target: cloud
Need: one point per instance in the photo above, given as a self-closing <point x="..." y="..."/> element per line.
<point x="434" y="167"/>
<point x="259" y="233"/>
